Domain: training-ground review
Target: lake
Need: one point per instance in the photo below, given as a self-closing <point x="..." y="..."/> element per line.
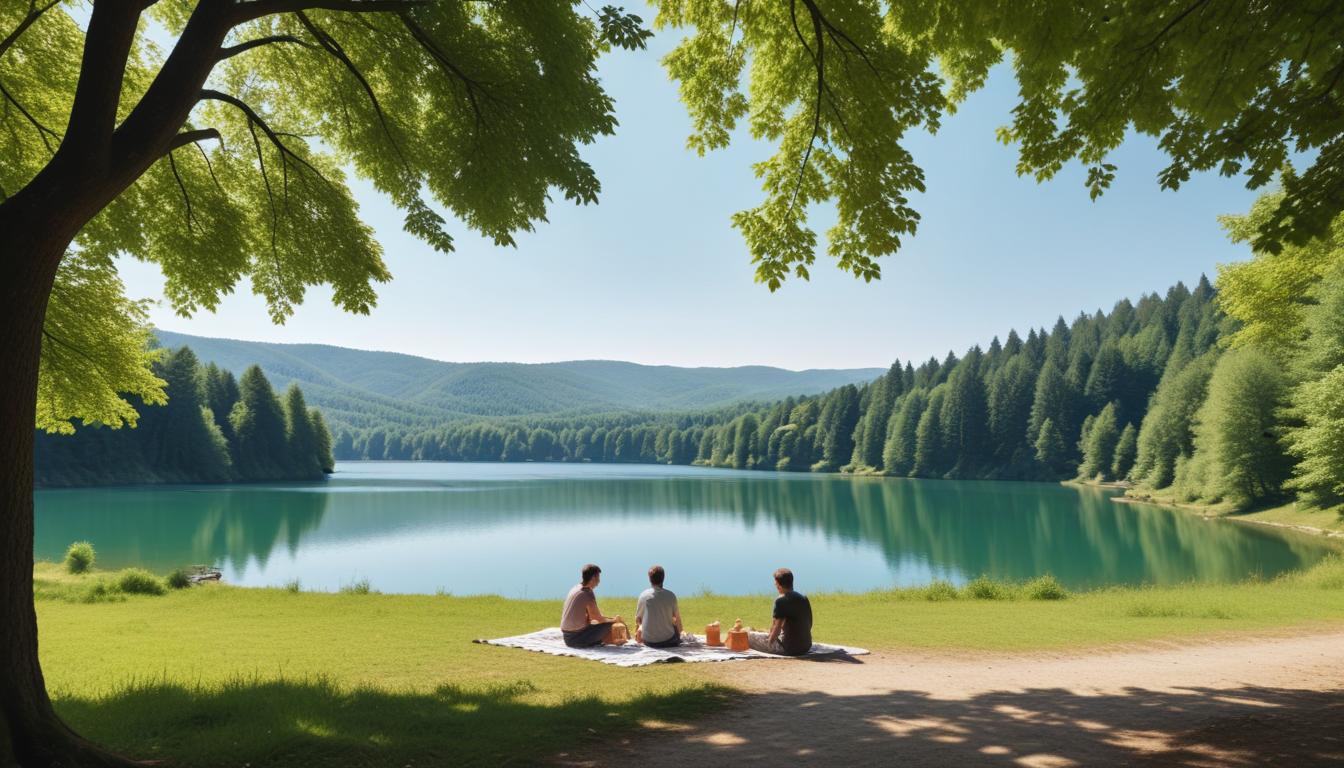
<point x="524" y="530"/>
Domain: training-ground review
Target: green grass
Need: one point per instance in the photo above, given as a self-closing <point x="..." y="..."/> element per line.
<point x="218" y="675"/>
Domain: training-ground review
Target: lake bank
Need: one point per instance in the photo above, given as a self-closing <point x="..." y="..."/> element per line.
<point x="345" y="679"/>
<point x="1291" y="516"/>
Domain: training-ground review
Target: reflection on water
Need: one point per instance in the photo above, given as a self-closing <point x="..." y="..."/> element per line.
<point x="524" y="530"/>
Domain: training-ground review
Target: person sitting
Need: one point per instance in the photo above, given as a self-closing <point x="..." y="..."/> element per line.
<point x="657" y="620"/>
<point x="791" y="631"/>
<point x="582" y="624"/>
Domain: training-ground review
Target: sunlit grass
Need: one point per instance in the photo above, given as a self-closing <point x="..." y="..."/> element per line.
<point x="220" y="675"/>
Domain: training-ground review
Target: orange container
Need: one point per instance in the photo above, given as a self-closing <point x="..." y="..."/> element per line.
<point x="619" y="634"/>
<point x="712" y="635"/>
<point x="737" y="637"/>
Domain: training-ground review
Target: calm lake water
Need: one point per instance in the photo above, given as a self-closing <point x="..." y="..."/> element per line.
<point x="524" y="530"/>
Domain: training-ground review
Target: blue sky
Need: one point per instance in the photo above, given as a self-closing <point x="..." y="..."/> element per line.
<point x="655" y="273"/>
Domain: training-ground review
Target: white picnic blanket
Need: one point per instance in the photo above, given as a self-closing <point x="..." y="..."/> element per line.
<point x="692" y="649"/>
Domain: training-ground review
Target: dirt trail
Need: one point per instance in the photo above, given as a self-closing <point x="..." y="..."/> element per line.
<point x="1239" y="702"/>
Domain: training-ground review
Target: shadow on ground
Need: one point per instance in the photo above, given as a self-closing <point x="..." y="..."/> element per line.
<point x="315" y="723"/>
<point x="1247" y="726"/>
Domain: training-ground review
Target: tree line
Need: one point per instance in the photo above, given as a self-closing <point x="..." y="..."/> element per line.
<point x="1235" y="398"/>
<point x="213" y="428"/>
<point x="1023" y="408"/>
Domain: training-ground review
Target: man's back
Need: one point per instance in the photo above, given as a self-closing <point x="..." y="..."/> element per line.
<point x="796" y="612"/>
<point x="656" y="611"/>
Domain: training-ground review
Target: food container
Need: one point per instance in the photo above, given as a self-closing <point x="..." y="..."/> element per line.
<point x="712" y="635"/>
<point x="737" y="637"/>
<point x="619" y="634"/>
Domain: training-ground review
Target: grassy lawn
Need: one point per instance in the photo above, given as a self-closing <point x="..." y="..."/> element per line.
<point x="219" y="675"/>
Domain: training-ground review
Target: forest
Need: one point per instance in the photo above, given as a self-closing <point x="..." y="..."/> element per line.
<point x="212" y="428"/>
<point x="1233" y="394"/>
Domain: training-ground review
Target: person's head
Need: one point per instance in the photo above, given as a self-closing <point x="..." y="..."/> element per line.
<point x="657" y="575"/>
<point x="592" y="575"/>
<point x="783" y="580"/>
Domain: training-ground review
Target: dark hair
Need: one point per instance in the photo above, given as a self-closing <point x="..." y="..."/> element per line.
<point x="784" y="578"/>
<point x="589" y="571"/>
<point x="656" y="575"/>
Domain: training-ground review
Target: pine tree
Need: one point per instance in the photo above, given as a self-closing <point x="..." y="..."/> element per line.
<point x="1050" y="450"/>
<point x="259" y="450"/>
<point x="301" y="440"/>
<point x="1099" y="450"/>
<point x="898" y="455"/>
<point x="930" y="455"/>
<point x="1125" y="451"/>
<point x="326" y="457"/>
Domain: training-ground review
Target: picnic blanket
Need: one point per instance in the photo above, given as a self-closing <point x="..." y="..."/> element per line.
<point x="692" y="649"/>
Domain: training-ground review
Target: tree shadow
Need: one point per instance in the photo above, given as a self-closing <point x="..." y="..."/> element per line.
<point x="1044" y="727"/>
<point x="318" y="723"/>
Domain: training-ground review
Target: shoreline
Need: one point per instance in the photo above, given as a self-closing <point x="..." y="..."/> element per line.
<point x="1206" y="512"/>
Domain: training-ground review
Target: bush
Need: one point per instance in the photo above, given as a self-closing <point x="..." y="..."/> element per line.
<point x="179" y="579"/>
<point x="1044" y="588"/>
<point x="99" y="592"/>
<point x="79" y="557"/>
<point x="138" y="581"/>
<point x="293" y="586"/>
<point x="985" y="588"/>
<point x="940" y="590"/>
<point x="360" y="587"/>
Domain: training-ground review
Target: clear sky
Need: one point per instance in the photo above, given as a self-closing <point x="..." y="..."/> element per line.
<point x="655" y="273"/>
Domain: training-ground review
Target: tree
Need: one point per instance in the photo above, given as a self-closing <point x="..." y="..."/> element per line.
<point x="1100" y="441"/>
<point x="300" y="438"/>
<point x="1050" y="450"/>
<point x="484" y="107"/>
<point x="836" y="425"/>
<point x="326" y="458"/>
<point x="898" y="455"/>
<point x="1319" y="442"/>
<point x="1125" y="452"/>
<point x="1237" y="428"/>
<point x="221" y="392"/>
<point x="1167" y="430"/>
<point x="261" y="442"/>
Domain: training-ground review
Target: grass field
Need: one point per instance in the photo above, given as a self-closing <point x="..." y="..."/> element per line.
<point x="218" y="675"/>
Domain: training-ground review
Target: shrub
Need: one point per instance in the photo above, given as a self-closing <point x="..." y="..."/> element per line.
<point x="99" y="592"/>
<point x="79" y="557"/>
<point x="293" y="586"/>
<point x="179" y="579"/>
<point x="940" y="590"/>
<point x="1044" y="588"/>
<point x="138" y="581"/>
<point x="985" y="588"/>
<point x="360" y="587"/>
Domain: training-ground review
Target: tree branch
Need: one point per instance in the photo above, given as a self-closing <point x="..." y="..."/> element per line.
<point x="93" y="114"/>
<point x="256" y="120"/>
<point x="42" y="130"/>
<point x="34" y="13"/>
<point x="329" y="44"/>
<point x="432" y="48"/>
<point x="247" y="11"/>
<point x="186" y="198"/>
<point x="191" y="137"/>
<point x="234" y="50"/>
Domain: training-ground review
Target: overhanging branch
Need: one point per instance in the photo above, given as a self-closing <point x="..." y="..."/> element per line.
<point x="234" y="50"/>
<point x="247" y="11"/>
<point x="35" y="12"/>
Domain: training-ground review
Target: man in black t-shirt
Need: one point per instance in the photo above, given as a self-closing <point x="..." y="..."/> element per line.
<point x="791" y="631"/>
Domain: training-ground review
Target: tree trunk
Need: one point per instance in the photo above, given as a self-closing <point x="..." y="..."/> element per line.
<point x="32" y="242"/>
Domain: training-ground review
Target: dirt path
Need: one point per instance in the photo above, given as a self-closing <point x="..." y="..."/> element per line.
<point x="1244" y="702"/>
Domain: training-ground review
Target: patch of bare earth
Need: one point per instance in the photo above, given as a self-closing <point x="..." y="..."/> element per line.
<point x="1244" y="702"/>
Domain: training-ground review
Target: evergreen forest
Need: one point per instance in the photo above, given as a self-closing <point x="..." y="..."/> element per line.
<point x="212" y="428"/>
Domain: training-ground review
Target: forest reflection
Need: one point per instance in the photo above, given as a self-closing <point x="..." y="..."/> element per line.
<point x="1007" y="530"/>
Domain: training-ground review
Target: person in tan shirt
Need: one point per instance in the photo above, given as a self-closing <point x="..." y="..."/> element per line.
<point x="582" y="624"/>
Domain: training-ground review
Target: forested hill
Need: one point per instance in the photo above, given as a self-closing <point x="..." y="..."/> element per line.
<point x="359" y="390"/>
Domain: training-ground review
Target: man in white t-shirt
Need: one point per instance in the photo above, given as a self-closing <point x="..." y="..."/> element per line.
<point x="657" y="619"/>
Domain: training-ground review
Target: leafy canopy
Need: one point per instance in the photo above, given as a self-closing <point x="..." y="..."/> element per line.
<point x="834" y="85"/>
<point x="478" y="111"/>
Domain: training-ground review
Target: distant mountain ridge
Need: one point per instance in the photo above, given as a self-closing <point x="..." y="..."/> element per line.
<point x="360" y="389"/>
